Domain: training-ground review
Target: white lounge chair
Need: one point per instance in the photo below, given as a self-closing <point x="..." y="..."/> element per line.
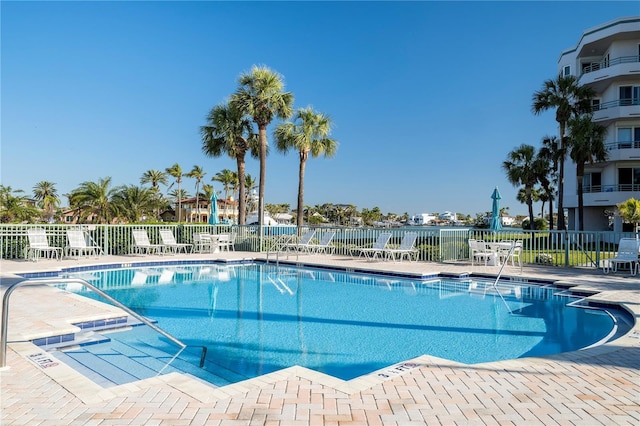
<point x="324" y="246"/>
<point x="407" y="248"/>
<point x="39" y="245"/>
<point x="303" y="244"/>
<point x="170" y="243"/>
<point x="142" y="245"/>
<point x="379" y="247"/>
<point x="80" y="244"/>
<point x="628" y="249"/>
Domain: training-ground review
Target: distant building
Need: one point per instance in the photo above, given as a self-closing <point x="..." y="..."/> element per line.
<point x="607" y="59"/>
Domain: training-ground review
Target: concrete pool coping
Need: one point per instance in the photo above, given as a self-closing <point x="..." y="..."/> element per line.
<point x="596" y="385"/>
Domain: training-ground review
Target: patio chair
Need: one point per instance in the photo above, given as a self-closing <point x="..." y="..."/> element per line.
<point x="407" y="248"/>
<point x="628" y="249"/>
<point x="205" y="243"/>
<point x="512" y="252"/>
<point x="303" y="244"/>
<point x="170" y="243"/>
<point x="324" y="246"/>
<point x="39" y="245"/>
<point x="479" y="251"/>
<point x="80" y="244"/>
<point x="142" y="245"/>
<point x="379" y="247"/>
<point x="227" y="242"/>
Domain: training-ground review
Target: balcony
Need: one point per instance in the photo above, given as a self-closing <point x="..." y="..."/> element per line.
<point x="616" y="109"/>
<point x="597" y="195"/>
<point x="618" y="151"/>
<point x="599" y="74"/>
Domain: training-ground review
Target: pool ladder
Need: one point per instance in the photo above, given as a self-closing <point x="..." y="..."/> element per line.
<point x="12" y="287"/>
<point x="495" y="283"/>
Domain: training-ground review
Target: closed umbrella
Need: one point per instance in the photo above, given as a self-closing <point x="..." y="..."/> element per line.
<point x="213" y="216"/>
<point x="496" y="223"/>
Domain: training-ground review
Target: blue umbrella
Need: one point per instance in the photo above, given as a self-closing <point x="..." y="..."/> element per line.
<point x="213" y="216"/>
<point x="496" y="223"/>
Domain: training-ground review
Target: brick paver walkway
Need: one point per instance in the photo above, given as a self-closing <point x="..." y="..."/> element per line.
<point x="599" y="385"/>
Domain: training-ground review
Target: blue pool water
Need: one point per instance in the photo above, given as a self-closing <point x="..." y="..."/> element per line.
<point x="255" y="319"/>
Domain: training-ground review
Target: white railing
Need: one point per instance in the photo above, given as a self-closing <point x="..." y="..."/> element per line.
<point x="554" y="248"/>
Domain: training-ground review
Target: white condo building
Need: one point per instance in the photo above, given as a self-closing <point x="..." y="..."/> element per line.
<point x="607" y="58"/>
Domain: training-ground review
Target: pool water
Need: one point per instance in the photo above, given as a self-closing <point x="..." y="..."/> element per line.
<point x="255" y="319"/>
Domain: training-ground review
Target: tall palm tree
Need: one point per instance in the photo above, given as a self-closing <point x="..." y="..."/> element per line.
<point x="46" y="194"/>
<point x="307" y="134"/>
<point x="549" y="156"/>
<point x="229" y="131"/>
<point x="228" y="179"/>
<point x="261" y="95"/>
<point x="155" y="178"/>
<point x="176" y="172"/>
<point x="134" y="202"/>
<point x="95" y="198"/>
<point x="586" y="145"/>
<point x="250" y="183"/>
<point x="520" y="167"/>
<point x="568" y="98"/>
<point x="198" y="174"/>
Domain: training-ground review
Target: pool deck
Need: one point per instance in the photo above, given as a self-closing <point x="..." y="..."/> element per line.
<point x="599" y="385"/>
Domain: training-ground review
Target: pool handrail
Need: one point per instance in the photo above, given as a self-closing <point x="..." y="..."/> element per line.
<point x="40" y="281"/>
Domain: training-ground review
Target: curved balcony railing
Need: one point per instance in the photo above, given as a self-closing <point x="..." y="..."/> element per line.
<point x="623" y="187"/>
<point x="609" y="63"/>
<point x="622" y="145"/>
<point x="617" y="103"/>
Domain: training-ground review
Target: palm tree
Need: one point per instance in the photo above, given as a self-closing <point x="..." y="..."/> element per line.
<point x="14" y="207"/>
<point x="586" y="145"/>
<point x="95" y="198"/>
<point x="250" y="183"/>
<point x="520" y="167"/>
<point x="155" y="178"/>
<point x="549" y="155"/>
<point x="198" y="174"/>
<point x="46" y="194"/>
<point x="629" y="210"/>
<point x="229" y="131"/>
<point x="228" y="179"/>
<point x="568" y="98"/>
<point x="307" y="134"/>
<point x="176" y="172"/>
<point x="178" y="194"/>
<point x="261" y="96"/>
<point x="134" y="202"/>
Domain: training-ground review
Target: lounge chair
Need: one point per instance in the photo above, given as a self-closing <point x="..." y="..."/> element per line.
<point x="479" y="251"/>
<point x="379" y="247"/>
<point x="80" y="244"/>
<point x="303" y="244"/>
<point x="39" y="245"/>
<point x="142" y="245"/>
<point x="628" y="249"/>
<point x="324" y="246"/>
<point x="407" y="248"/>
<point x="170" y="243"/>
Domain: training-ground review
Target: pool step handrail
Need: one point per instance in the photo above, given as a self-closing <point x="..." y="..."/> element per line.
<point x="495" y="283"/>
<point x="40" y="281"/>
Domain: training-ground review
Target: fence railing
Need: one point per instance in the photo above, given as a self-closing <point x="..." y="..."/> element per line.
<point x="557" y="248"/>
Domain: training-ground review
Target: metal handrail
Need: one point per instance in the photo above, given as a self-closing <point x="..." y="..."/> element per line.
<point x="5" y="312"/>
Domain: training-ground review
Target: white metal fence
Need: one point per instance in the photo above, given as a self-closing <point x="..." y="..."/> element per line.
<point x="557" y="248"/>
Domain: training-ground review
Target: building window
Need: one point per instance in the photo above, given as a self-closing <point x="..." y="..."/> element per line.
<point x="629" y="95"/>
<point x="595" y="104"/>
<point x="592" y="182"/>
<point x="566" y="71"/>
<point x="629" y="179"/>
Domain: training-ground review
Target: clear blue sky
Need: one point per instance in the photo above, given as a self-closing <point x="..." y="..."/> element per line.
<point x="427" y="98"/>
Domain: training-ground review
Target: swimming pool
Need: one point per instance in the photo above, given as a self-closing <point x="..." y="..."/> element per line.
<point x="259" y="318"/>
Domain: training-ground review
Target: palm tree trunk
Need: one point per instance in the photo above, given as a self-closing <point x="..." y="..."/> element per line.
<point x="563" y="145"/>
<point x="242" y="210"/>
<point x="580" y="178"/>
<point x="303" y="162"/>
<point x="530" y="205"/>
<point x="551" y="211"/>
<point x="262" y="133"/>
